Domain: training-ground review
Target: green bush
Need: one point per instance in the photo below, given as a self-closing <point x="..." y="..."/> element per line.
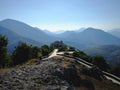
<point x="21" y="54"/>
<point x="100" y="62"/>
<point x="45" y="50"/>
<point x="114" y="70"/>
<point x="36" y="52"/>
<point x="97" y="60"/>
<point x="63" y="48"/>
<point x="81" y="55"/>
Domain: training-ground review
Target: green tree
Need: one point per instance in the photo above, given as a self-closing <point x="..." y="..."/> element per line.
<point x="21" y="54"/>
<point x="76" y="54"/>
<point x="63" y="48"/>
<point x="51" y="48"/>
<point x="4" y="57"/>
<point x="36" y="52"/>
<point x="114" y="69"/>
<point x="3" y="41"/>
<point x="45" y="49"/>
<point x="81" y="55"/>
<point x="100" y="62"/>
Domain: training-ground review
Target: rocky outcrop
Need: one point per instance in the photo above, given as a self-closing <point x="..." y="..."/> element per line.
<point x="48" y="75"/>
<point x="57" y="73"/>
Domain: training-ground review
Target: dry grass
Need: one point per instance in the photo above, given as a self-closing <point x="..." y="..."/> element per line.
<point x="31" y="62"/>
<point x="64" y="61"/>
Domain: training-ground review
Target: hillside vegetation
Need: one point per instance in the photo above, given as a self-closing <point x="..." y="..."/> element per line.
<point x="109" y="52"/>
<point x="22" y="53"/>
<point x="99" y="61"/>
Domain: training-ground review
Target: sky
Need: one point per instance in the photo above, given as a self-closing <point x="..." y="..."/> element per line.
<point x="63" y="14"/>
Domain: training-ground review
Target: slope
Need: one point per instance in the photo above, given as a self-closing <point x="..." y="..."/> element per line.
<point x="26" y="30"/>
<point x="109" y="52"/>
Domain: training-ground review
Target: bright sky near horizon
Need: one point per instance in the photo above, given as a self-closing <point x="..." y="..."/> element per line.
<point x="63" y="14"/>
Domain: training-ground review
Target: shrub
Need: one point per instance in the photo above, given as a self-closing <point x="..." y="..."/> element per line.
<point x="100" y="62"/>
<point x="21" y="54"/>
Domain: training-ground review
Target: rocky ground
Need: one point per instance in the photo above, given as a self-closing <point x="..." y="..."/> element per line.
<point x="58" y="73"/>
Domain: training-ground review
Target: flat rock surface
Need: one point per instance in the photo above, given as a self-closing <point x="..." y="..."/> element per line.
<point x="37" y="77"/>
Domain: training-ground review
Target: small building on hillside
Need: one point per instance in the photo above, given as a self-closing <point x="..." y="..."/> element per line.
<point x="57" y="44"/>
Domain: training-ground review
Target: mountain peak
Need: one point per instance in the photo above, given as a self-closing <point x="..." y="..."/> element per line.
<point x="9" y="20"/>
<point x="12" y="21"/>
<point x="6" y="19"/>
<point x="93" y="29"/>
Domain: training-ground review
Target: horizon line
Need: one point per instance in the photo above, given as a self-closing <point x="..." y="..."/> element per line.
<point x="63" y="27"/>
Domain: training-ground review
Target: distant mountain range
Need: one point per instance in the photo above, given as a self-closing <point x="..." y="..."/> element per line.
<point x="81" y="39"/>
<point x="90" y="37"/>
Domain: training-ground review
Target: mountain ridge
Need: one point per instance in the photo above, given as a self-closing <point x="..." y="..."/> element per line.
<point x="90" y="37"/>
<point x="14" y="39"/>
<point x="26" y="30"/>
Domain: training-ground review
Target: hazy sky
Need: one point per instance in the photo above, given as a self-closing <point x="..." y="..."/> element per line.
<point x="63" y="14"/>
